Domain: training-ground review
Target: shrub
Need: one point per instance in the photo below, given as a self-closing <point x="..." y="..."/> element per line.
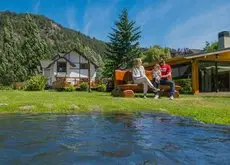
<point x="70" y="88"/>
<point x="116" y="92"/>
<point x="19" y="85"/>
<point x="84" y="86"/>
<point x="2" y="87"/>
<point x="101" y="88"/>
<point x="186" y="85"/>
<point x="36" y="83"/>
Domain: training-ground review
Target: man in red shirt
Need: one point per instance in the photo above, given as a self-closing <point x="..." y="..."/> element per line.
<point x="166" y="77"/>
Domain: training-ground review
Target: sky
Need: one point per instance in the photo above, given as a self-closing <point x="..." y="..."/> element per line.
<point x="171" y="23"/>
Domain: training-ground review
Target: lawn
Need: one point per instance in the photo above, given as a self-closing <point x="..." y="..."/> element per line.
<point x="207" y="109"/>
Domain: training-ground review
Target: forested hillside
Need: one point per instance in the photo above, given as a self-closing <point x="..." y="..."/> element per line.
<point x="26" y="39"/>
<point x="56" y="36"/>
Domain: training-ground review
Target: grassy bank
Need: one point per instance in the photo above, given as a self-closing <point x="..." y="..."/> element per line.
<point x="206" y="109"/>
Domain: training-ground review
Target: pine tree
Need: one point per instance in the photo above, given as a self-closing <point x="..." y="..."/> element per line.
<point x="3" y="68"/>
<point x="123" y="46"/>
<point x="33" y="48"/>
<point x="11" y="68"/>
<point x="20" y="72"/>
<point x="8" y="53"/>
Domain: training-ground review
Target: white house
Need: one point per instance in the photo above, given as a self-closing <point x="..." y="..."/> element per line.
<point x="74" y="66"/>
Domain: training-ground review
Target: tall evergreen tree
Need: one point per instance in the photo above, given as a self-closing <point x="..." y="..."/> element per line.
<point x="3" y="68"/>
<point x="20" y="72"/>
<point x="33" y="48"/>
<point x="8" y="53"/>
<point x="123" y="46"/>
<point x="11" y="68"/>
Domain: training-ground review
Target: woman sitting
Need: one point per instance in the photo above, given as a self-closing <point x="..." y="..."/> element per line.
<point x="139" y="77"/>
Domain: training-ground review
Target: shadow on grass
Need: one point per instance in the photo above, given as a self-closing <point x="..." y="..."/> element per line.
<point x="216" y="97"/>
<point x="139" y="95"/>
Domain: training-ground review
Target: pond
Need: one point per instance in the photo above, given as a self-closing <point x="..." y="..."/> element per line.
<point x="118" y="138"/>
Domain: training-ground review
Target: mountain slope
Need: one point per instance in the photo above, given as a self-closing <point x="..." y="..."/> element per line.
<point x="58" y="38"/>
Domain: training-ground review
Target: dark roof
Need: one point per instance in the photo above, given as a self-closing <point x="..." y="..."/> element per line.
<point x="62" y="54"/>
<point x="72" y="64"/>
<point x="57" y="55"/>
<point x="83" y="55"/>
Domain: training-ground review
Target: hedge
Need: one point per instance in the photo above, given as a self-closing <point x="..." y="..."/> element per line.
<point x="36" y="83"/>
<point x="186" y="85"/>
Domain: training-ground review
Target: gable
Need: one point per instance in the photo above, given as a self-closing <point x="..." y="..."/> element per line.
<point x="62" y="58"/>
<point x="73" y="57"/>
<point x="78" y="57"/>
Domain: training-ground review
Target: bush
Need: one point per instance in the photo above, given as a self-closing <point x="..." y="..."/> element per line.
<point x="70" y="88"/>
<point x="116" y="92"/>
<point x="186" y="85"/>
<point x="101" y="88"/>
<point x="19" y="85"/>
<point x="84" y="86"/>
<point x="36" y="83"/>
<point x="2" y="87"/>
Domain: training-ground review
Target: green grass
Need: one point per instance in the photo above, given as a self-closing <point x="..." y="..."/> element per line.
<point x="207" y="109"/>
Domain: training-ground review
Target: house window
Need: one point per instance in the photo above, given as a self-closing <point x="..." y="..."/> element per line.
<point x="214" y="76"/>
<point x="61" y="67"/>
<point x="181" y="71"/>
<point x="77" y="66"/>
<point x="84" y="66"/>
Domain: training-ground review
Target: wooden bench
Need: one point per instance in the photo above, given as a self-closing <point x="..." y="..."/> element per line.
<point x="124" y="82"/>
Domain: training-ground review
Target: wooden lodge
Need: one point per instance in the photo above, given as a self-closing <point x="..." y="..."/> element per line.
<point x="208" y="71"/>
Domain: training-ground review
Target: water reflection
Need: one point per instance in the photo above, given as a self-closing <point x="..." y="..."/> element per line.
<point x="118" y="138"/>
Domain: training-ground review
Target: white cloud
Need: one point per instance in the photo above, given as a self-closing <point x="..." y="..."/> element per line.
<point x="200" y="28"/>
<point x="71" y="17"/>
<point x="37" y="6"/>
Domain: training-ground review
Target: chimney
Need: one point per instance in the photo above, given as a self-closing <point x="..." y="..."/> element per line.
<point x="224" y="40"/>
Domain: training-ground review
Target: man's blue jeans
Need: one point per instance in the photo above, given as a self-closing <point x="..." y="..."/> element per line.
<point x="170" y="83"/>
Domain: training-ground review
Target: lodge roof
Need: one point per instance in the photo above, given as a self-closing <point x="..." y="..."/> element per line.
<point x="202" y="54"/>
<point x="192" y="56"/>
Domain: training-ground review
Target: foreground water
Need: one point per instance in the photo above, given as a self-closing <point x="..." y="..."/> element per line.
<point x="94" y="138"/>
